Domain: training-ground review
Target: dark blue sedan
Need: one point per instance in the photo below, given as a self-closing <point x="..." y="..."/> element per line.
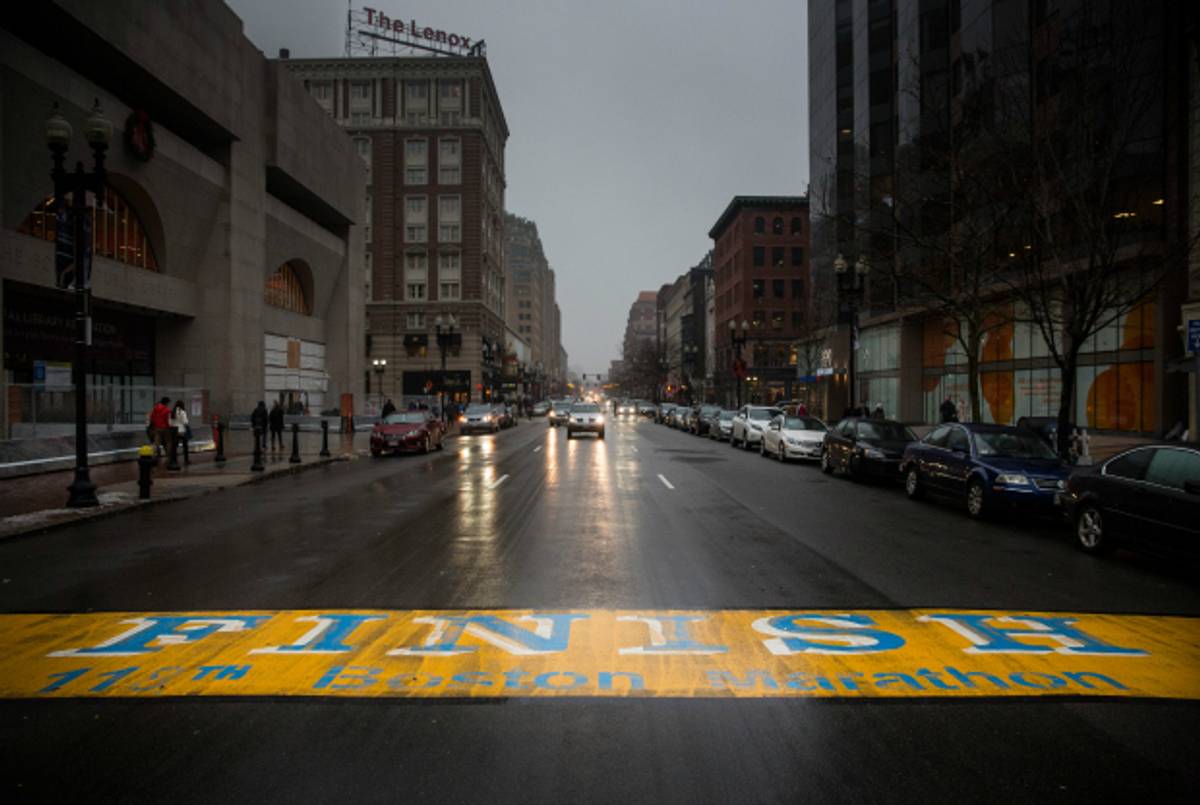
<point x="987" y="467"/>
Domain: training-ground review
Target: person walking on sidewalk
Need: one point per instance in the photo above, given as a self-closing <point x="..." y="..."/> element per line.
<point x="389" y="408"/>
<point x="160" y="424"/>
<point x="181" y="428"/>
<point x="275" y="418"/>
<point x="258" y="422"/>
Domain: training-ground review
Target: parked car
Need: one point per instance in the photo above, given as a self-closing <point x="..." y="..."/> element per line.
<point x="986" y="467"/>
<point x="559" y="409"/>
<point x="407" y="430"/>
<point x="479" y="417"/>
<point x="585" y="418"/>
<point x="791" y="436"/>
<point x="722" y="424"/>
<point x="507" y="417"/>
<point x="541" y="408"/>
<point x="663" y="415"/>
<point x="647" y="408"/>
<point x="702" y="420"/>
<point x="866" y="447"/>
<point x="749" y="424"/>
<point x="679" y="417"/>
<point x="1147" y="497"/>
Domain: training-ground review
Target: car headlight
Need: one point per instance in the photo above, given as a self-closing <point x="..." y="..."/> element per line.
<point x="1012" y="479"/>
<point x="792" y="442"/>
<point x="873" y="452"/>
<point x="599" y="420"/>
<point x="755" y="426"/>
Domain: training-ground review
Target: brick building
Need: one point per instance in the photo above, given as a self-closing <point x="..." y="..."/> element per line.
<point x="761" y="261"/>
<point x="432" y="132"/>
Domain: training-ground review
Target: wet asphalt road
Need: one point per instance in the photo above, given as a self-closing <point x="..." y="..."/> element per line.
<point x="527" y="519"/>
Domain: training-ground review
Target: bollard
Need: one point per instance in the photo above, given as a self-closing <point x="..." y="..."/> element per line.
<point x="295" y="459"/>
<point x="145" y="463"/>
<point x="257" y="466"/>
<point x="187" y="458"/>
<point x="219" y="430"/>
<point x="324" y="438"/>
<point x="173" y="455"/>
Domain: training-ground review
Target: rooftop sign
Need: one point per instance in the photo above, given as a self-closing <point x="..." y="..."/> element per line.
<point x="377" y="26"/>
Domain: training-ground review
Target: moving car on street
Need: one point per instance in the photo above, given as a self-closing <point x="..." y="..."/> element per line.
<point x="749" y="424"/>
<point x="986" y="467"/>
<point x="627" y="408"/>
<point x="585" y="418"/>
<point x="541" y="408"/>
<point x="407" y="431"/>
<point x="559" y="409"/>
<point x="792" y="436"/>
<point x="1147" y="497"/>
<point x="479" y="417"/>
<point x="864" y="447"/>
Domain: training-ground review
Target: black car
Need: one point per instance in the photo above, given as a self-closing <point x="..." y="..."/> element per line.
<point x="1148" y="495"/>
<point x="866" y="447"/>
<point x="703" y="419"/>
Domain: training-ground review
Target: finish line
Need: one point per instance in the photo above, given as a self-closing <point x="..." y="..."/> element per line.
<point x="940" y="653"/>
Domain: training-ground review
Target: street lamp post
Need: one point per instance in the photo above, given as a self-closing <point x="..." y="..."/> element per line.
<point x="380" y="366"/>
<point x="445" y="330"/>
<point x="690" y="353"/>
<point x="850" y="288"/>
<point x="738" y="341"/>
<point x="97" y="130"/>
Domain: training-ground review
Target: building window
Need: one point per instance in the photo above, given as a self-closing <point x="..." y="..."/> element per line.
<point x="414" y="320"/>
<point x="362" y="147"/>
<point x="360" y="119"/>
<point x="797" y="226"/>
<point x="416" y="101"/>
<point x="285" y="289"/>
<point x="360" y="90"/>
<point x="797" y="320"/>
<point x="760" y="289"/>
<point x="760" y="255"/>
<point x="415" y="219"/>
<point x="416" y="275"/>
<point x="776" y="319"/>
<point x="797" y="255"/>
<point x="797" y="289"/>
<point x="760" y="225"/>
<point x="416" y="161"/>
<point x="414" y="291"/>
<point x="777" y="226"/>
<point x="450" y="276"/>
<point x="117" y="232"/>
<point x="778" y="289"/>
<point x="321" y="90"/>
<point x="449" y="161"/>
<point x="449" y="219"/>
<point x="777" y="256"/>
<point x="759" y="318"/>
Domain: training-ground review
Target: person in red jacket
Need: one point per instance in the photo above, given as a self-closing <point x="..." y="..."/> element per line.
<point x="160" y="425"/>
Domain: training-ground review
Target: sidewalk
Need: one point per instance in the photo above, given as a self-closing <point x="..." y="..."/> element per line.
<point x="35" y="503"/>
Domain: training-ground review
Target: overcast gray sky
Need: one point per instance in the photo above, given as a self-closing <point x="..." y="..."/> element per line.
<point x="632" y="125"/>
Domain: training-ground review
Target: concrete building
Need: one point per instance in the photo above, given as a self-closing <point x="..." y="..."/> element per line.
<point x="432" y="133"/>
<point x="684" y="331"/>
<point x="640" y="325"/>
<point x="227" y="249"/>
<point x="531" y="307"/>
<point x="904" y="80"/>
<point x="761" y="260"/>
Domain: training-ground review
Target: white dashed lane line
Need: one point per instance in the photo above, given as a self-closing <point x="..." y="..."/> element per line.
<point x="537" y="449"/>
<point x="666" y="483"/>
<point x="497" y="482"/>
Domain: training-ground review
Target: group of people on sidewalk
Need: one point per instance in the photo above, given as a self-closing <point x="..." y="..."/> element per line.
<point x="264" y="421"/>
<point x="168" y="427"/>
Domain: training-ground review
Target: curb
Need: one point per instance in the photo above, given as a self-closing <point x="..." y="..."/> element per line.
<point x="91" y="515"/>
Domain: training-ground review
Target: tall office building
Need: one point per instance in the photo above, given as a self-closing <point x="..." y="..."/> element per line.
<point x="530" y="298"/>
<point x="432" y="133"/>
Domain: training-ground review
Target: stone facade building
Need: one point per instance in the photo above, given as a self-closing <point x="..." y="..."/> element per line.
<point x="530" y="305"/>
<point x="227" y="246"/>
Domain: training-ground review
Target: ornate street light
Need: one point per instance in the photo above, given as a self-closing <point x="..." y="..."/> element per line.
<point x="738" y="367"/>
<point x="851" y="287"/>
<point x="445" y="330"/>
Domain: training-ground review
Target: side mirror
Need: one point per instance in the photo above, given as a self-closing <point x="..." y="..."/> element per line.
<point x="1192" y="487"/>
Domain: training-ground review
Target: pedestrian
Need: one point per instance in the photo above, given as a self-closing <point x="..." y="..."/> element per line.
<point x="182" y="429"/>
<point x="160" y="424"/>
<point x="258" y="423"/>
<point x="948" y="410"/>
<point x="878" y="412"/>
<point x="801" y="410"/>
<point x="275" y="424"/>
<point x="388" y="408"/>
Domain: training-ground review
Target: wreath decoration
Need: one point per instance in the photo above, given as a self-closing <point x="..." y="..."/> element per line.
<point x="139" y="135"/>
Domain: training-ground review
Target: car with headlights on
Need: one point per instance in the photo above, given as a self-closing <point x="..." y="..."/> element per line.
<point x="407" y="431"/>
<point x="986" y="467"/>
<point x="749" y="424"/>
<point x="479" y="417"/>
<point x="627" y="408"/>
<point x="865" y="447"/>
<point x="540" y="408"/>
<point x="1146" y="498"/>
<point x="585" y="418"/>
<point x="559" y="409"/>
<point x="793" y="436"/>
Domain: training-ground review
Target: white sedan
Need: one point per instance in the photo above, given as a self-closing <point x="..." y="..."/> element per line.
<point x="790" y="436"/>
<point x="749" y="424"/>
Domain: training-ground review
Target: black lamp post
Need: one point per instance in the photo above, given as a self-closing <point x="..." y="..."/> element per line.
<point x="850" y="290"/>
<point x="690" y="353"/>
<point x="97" y="130"/>
<point x="445" y="330"/>
<point x="737" y="341"/>
<point x="380" y="366"/>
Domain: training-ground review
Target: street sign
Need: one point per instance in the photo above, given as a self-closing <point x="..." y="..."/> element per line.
<point x="1193" y="335"/>
<point x="64" y="249"/>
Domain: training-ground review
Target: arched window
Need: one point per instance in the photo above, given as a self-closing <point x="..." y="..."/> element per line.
<point x="117" y="232"/>
<point x="777" y="226"/>
<point x="286" y="289"/>
<point x="760" y="225"/>
<point x="797" y="227"/>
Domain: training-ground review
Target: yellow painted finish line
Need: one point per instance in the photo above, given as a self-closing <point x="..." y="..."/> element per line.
<point x="478" y="653"/>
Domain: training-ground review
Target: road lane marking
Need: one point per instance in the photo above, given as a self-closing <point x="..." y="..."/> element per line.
<point x="537" y="449"/>
<point x="666" y="483"/>
<point x="633" y="448"/>
<point x="692" y="653"/>
<point x="497" y="482"/>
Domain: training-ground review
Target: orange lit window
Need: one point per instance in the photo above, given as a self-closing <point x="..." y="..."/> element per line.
<point x="117" y="233"/>
<point x="284" y="290"/>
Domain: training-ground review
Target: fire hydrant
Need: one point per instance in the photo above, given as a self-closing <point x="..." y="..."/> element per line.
<point x="145" y="464"/>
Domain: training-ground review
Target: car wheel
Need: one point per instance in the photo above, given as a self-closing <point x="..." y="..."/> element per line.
<point x="975" y="499"/>
<point x="762" y="447"/>
<point x="441" y="445"/>
<point x="782" y="454"/>
<point x="601" y="434"/>
<point x="826" y="463"/>
<point x="912" y="484"/>
<point x="570" y="435"/>
<point x="1089" y="532"/>
<point x="427" y="447"/>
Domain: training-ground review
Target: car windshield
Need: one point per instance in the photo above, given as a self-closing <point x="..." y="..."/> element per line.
<point x="401" y="418"/>
<point x="728" y="415"/>
<point x="762" y="413"/>
<point x="1011" y="444"/>
<point x="479" y="409"/>
<point x="803" y="423"/>
<point x="586" y="408"/>
<point x="885" y="431"/>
